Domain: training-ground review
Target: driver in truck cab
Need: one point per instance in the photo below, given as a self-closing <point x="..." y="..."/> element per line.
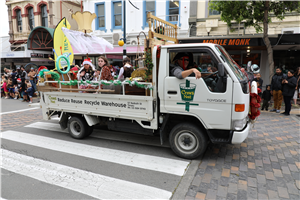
<point x="180" y="68"/>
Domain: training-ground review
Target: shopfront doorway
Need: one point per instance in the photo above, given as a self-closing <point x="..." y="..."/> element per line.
<point x="243" y="57"/>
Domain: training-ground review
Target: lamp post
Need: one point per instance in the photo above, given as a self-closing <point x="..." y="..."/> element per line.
<point x="124" y="26"/>
<point x="124" y="30"/>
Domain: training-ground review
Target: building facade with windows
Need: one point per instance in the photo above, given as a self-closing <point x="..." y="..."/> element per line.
<point x="244" y="44"/>
<point x="27" y="16"/>
<point x="109" y="22"/>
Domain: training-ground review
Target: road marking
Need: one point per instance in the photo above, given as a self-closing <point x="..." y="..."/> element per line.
<point x="47" y="126"/>
<point x="165" y="165"/>
<point x="105" y="134"/>
<point x="16" y="111"/>
<point x="89" y="183"/>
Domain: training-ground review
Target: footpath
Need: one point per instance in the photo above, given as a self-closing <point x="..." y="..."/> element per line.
<point x="265" y="166"/>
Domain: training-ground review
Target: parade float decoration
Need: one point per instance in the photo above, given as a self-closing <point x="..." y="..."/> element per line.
<point x="63" y="78"/>
<point x="254" y="102"/>
<point x="255" y="99"/>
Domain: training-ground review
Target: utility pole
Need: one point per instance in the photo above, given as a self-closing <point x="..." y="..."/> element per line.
<point x="124" y="29"/>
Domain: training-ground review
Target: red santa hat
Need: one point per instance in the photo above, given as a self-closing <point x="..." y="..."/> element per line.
<point x="89" y="62"/>
<point x="19" y="80"/>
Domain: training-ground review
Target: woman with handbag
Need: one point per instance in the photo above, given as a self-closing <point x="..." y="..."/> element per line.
<point x="297" y="89"/>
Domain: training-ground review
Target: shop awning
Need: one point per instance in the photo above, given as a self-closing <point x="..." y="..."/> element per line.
<point x="40" y="38"/>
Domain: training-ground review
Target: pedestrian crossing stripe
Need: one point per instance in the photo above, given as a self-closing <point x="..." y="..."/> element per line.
<point x="104" y="134"/>
<point x="148" y="162"/>
<point x="89" y="183"/>
<point x="47" y="126"/>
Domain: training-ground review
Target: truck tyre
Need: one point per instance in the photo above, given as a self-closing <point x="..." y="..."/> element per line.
<point x="78" y="128"/>
<point x="187" y="140"/>
<point x="90" y="130"/>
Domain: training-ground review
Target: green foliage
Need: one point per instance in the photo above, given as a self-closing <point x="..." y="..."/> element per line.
<point x="252" y="12"/>
<point x="148" y="63"/>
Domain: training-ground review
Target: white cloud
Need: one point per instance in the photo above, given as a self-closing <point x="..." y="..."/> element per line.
<point x="4" y="19"/>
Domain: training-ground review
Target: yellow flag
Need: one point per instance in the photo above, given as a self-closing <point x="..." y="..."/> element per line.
<point x="61" y="43"/>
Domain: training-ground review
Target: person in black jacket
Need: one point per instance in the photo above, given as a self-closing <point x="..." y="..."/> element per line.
<point x="288" y="89"/>
<point x="266" y="96"/>
<point x="276" y="89"/>
<point x="297" y="89"/>
<point x="23" y="74"/>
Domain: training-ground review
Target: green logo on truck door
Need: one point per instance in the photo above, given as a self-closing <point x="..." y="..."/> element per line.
<point x="187" y="91"/>
<point x="52" y="99"/>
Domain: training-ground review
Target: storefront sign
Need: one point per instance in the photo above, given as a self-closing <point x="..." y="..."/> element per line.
<point x="281" y="39"/>
<point x="18" y="60"/>
<point x="114" y="56"/>
<point x="230" y="42"/>
<point x="227" y="41"/>
<point x="36" y="55"/>
<point x="41" y="55"/>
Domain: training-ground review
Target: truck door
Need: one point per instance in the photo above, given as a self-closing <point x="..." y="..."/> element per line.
<point x="203" y="97"/>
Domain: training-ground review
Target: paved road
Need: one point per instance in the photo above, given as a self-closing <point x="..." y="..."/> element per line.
<point x="265" y="166"/>
<point x="45" y="162"/>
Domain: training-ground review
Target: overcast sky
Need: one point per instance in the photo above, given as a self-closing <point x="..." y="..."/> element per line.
<point x="4" y="19"/>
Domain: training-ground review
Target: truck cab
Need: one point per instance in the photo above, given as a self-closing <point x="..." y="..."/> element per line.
<point x="217" y="103"/>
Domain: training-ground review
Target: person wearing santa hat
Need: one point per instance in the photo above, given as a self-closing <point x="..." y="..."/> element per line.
<point x="86" y="73"/>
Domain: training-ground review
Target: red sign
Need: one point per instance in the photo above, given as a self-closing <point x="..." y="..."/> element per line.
<point x="232" y="42"/>
<point x="114" y="56"/>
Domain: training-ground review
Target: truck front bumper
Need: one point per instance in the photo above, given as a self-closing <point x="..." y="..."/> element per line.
<point x="239" y="136"/>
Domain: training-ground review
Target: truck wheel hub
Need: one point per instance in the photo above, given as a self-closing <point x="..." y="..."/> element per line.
<point x="187" y="141"/>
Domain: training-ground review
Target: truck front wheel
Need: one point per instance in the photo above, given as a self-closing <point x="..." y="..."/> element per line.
<point x="187" y="141"/>
<point x="78" y="128"/>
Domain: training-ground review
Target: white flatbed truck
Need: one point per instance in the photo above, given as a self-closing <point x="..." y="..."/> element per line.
<point x="188" y="112"/>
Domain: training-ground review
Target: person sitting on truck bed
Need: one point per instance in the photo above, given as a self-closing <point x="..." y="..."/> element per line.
<point x="126" y="70"/>
<point x="180" y="68"/>
<point x="105" y="71"/>
<point x="86" y="73"/>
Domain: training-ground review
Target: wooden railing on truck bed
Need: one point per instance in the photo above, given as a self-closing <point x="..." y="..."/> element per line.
<point x="161" y="29"/>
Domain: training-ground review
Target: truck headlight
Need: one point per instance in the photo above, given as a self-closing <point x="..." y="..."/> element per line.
<point x="239" y="124"/>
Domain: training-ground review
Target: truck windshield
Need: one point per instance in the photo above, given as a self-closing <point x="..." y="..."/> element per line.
<point x="232" y="64"/>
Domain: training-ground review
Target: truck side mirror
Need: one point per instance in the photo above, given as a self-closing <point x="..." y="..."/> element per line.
<point x="221" y="70"/>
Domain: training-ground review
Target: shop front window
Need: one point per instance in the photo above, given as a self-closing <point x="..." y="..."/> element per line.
<point x="286" y="60"/>
<point x="254" y="57"/>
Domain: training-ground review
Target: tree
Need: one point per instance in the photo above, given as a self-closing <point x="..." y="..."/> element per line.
<point x="257" y="14"/>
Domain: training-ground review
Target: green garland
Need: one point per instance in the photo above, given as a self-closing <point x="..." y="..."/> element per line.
<point x="149" y="63"/>
<point x="111" y="82"/>
<point x="56" y="77"/>
<point x="41" y="74"/>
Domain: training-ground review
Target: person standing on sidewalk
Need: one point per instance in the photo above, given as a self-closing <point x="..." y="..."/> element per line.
<point x="276" y="89"/>
<point x="297" y="89"/>
<point x="23" y="74"/>
<point x="32" y="76"/>
<point x="266" y="96"/>
<point x="288" y="89"/>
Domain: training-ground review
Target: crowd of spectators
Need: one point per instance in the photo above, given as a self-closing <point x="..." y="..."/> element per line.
<point x="18" y="84"/>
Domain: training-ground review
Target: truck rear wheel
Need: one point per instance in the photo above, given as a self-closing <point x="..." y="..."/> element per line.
<point x="187" y="141"/>
<point x="78" y="128"/>
<point x="90" y="130"/>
